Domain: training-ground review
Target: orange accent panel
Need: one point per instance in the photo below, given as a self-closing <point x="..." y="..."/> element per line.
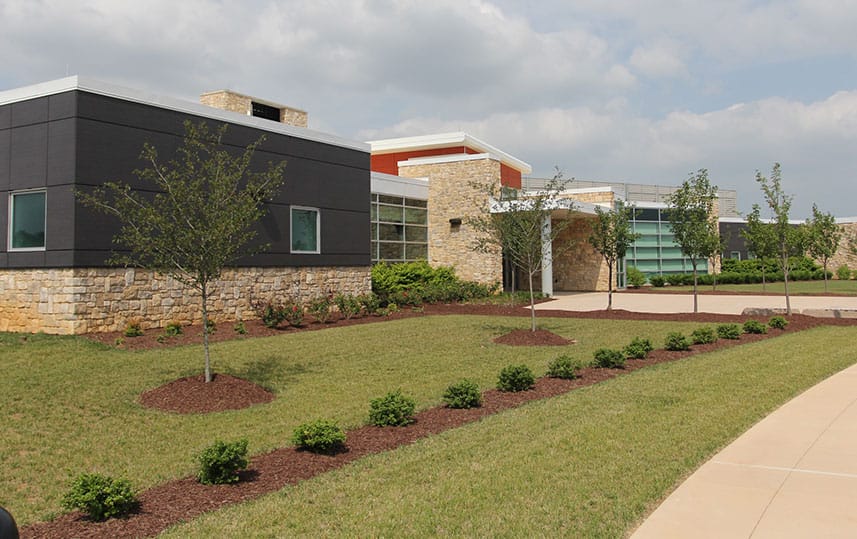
<point x="388" y="163"/>
<point x="510" y="177"/>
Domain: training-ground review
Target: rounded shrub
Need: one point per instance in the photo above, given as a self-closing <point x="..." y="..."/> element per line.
<point x="635" y="277"/>
<point x="754" y="326"/>
<point x="464" y="394"/>
<point x="607" y="358"/>
<point x="704" y="335"/>
<point x="319" y="436"/>
<point x="729" y="331"/>
<point x="778" y="322"/>
<point x="563" y="367"/>
<point x="638" y="348"/>
<point x="393" y="409"/>
<point x="516" y="378"/>
<point x="676" y="342"/>
<point x="100" y="496"/>
<point x="843" y="272"/>
<point x="657" y="281"/>
<point x="220" y="462"/>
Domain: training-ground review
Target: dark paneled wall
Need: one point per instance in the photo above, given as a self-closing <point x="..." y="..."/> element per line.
<point x="78" y="140"/>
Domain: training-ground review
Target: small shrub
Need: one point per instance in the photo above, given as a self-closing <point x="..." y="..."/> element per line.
<point x="464" y="394"/>
<point x="211" y="326"/>
<point x="240" y="328"/>
<point x="173" y="329"/>
<point x="161" y="339"/>
<point x="607" y="358"/>
<point x="272" y="314"/>
<point x="100" y="496"/>
<point x="636" y="278"/>
<point x="369" y="302"/>
<point x="676" y="342"/>
<point x="221" y="461"/>
<point x="133" y="329"/>
<point x="516" y="378"/>
<point x="393" y="409"/>
<point x="563" y="367"/>
<point x="657" y="281"/>
<point x="348" y="305"/>
<point x="294" y="313"/>
<point x="843" y="272"/>
<point x="778" y="322"/>
<point x="638" y="348"/>
<point x="319" y="308"/>
<point x="754" y="326"/>
<point x="319" y="436"/>
<point x="704" y="335"/>
<point x="729" y="331"/>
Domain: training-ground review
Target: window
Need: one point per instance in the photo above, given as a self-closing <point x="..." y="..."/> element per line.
<point x="399" y="229"/>
<point x="261" y="110"/>
<point x="305" y="230"/>
<point x="27" y="221"/>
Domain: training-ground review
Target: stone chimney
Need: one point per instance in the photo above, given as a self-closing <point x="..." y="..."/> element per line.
<point x="244" y="104"/>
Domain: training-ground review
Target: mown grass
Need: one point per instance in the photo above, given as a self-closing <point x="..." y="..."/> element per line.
<point x="591" y="463"/>
<point x="70" y="406"/>
<point x="798" y="288"/>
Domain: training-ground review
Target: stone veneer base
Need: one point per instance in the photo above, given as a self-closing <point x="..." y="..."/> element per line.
<point x="73" y="301"/>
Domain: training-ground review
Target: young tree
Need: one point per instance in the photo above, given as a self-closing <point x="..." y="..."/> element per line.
<point x="788" y="239"/>
<point x="690" y="210"/>
<point x="520" y="226"/>
<point x="823" y="236"/>
<point x="201" y="217"/>
<point x="611" y="236"/>
<point x="760" y="240"/>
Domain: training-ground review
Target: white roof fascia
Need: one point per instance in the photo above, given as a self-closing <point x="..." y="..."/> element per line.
<point x="443" y="140"/>
<point x="556" y="204"/>
<point x="106" y="89"/>
<point x="846" y="220"/>
<point x="388" y="184"/>
<point x="439" y="159"/>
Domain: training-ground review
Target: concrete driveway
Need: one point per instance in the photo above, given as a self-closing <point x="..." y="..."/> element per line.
<point x="683" y="303"/>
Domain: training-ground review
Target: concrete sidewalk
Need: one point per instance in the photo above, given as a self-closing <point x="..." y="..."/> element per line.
<point x="683" y="303"/>
<point x="794" y="474"/>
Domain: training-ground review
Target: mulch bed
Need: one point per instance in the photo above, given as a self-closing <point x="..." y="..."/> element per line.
<point x="539" y="337"/>
<point x="184" y="499"/>
<point x="192" y="395"/>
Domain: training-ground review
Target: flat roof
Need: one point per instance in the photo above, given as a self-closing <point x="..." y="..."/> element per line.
<point x="93" y="86"/>
<point x="446" y="140"/>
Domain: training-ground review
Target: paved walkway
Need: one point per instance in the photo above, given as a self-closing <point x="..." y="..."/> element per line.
<point x="683" y="303"/>
<point x="792" y="475"/>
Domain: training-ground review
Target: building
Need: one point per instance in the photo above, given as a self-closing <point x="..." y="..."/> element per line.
<point x="75" y="133"/>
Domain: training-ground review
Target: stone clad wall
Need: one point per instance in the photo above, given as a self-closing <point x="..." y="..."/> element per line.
<point x="580" y="267"/>
<point x="242" y="104"/>
<point x="82" y="300"/>
<point x="843" y="255"/>
<point x="452" y="195"/>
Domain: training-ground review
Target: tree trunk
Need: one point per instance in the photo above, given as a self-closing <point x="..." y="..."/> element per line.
<point x="609" y="286"/>
<point x="825" y="275"/>
<point x="532" y="305"/>
<point x="763" y="277"/>
<point x="786" y="285"/>
<point x="695" y="299"/>
<point x="205" y="333"/>
<point x="714" y="277"/>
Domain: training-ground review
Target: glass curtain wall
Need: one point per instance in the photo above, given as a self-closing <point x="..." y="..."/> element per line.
<point x="655" y="251"/>
<point x="399" y="229"/>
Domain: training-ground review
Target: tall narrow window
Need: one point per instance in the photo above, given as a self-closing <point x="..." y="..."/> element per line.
<point x="305" y="230"/>
<point x="27" y="221"/>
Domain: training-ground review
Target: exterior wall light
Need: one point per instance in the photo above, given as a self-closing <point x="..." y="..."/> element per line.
<point x="455" y="221"/>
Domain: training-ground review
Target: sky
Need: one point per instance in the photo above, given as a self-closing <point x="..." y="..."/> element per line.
<point x="610" y="90"/>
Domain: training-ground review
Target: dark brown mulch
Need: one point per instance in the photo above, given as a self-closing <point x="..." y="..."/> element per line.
<point x="191" y="395"/>
<point x="539" y="337"/>
<point x="184" y="499"/>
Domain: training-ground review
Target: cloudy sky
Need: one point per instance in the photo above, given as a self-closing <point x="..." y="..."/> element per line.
<point x="603" y="89"/>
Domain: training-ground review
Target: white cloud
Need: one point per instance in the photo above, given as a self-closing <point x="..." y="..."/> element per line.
<point x="660" y="59"/>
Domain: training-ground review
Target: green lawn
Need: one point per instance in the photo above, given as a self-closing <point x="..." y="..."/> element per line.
<point x="807" y="288"/>
<point x="591" y="463"/>
<point x="69" y="405"/>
